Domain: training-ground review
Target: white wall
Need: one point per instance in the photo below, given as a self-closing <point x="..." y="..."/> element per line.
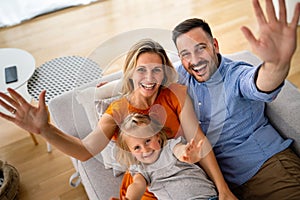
<point x="13" y="12"/>
<point x="290" y="7"/>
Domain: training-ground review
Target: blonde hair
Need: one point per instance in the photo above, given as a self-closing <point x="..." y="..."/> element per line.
<point x="130" y="126"/>
<point x="146" y="46"/>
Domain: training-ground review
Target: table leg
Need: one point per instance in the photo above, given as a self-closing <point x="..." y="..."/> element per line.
<point x="49" y="147"/>
<point x="34" y="138"/>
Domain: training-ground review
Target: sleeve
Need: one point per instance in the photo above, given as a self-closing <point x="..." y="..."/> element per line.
<point x="138" y="169"/>
<point x="245" y="75"/>
<point x="118" y="109"/>
<point x="173" y="142"/>
<point x="178" y="95"/>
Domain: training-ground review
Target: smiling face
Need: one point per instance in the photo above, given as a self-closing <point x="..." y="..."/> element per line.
<point x="145" y="150"/>
<point x="148" y="74"/>
<point x="198" y="53"/>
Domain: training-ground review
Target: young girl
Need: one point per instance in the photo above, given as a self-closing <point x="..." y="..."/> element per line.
<point x="165" y="166"/>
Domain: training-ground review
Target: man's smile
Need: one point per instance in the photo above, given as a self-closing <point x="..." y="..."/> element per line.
<point x="200" y="70"/>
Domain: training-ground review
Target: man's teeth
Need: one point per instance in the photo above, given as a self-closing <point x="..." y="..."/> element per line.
<point x="198" y="68"/>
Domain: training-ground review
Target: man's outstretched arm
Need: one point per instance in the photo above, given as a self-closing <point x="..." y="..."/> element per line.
<point x="275" y="44"/>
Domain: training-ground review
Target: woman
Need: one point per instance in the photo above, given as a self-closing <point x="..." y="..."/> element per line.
<point x="147" y="89"/>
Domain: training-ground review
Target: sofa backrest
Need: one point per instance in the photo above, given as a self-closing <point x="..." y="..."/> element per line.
<point x="283" y="112"/>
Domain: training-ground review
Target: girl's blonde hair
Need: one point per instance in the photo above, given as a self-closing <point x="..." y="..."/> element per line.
<point x="141" y="126"/>
<point x="146" y="46"/>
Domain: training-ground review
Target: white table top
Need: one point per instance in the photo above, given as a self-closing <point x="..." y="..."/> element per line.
<point x="16" y="57"/>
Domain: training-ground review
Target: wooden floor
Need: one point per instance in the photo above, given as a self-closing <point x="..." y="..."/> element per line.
<point x="79" y="31"/>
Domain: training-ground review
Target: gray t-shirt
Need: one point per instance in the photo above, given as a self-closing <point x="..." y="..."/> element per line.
<point x="169" y="178"/>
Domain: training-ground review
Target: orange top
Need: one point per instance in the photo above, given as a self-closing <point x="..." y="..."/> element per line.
<point x="166" y="109"/>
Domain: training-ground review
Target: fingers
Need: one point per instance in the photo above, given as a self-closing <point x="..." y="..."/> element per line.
<point x="258" y="12"/>
<point x="101" y="84"/>
<point x="18" y="99"/>
<point x="249" y="36"/>
<point x="282" y="12"/>
<point x="271" y="12"/>
<point x="191" y="146"/>
<point x="8" y="108"/>
<point x="295" y="19"/>
<point x="9" y="100"/>
<point x="7" y="117"/>
<point x="42" y="102"/>
<point x="200" y="143"/>
<point x="5" y="105"/>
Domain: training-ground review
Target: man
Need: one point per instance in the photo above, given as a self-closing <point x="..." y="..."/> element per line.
<point x="229" y="99"/>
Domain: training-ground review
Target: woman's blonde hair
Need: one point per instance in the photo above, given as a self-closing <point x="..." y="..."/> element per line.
<point x="146" y="46"/>
<point x="141" y="126"/>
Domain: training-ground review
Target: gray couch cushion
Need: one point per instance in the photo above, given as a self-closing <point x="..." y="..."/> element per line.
<point x="99" y="182"/>
<point x="284" y="114"/>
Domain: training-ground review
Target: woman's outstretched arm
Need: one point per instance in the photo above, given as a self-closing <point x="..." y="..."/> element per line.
<point x="36" y="120"/>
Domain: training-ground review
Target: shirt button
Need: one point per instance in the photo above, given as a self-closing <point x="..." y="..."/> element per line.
<point x="199" y="103"/>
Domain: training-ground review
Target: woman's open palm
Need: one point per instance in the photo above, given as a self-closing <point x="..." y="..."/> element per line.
<point x="32" y="119"/>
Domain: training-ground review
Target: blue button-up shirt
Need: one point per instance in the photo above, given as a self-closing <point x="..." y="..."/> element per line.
<point x="230" y="110"/>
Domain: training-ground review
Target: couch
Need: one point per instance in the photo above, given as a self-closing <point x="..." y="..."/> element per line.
<point x="70" y="115"/>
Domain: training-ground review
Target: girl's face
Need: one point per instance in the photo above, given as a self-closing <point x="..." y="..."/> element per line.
<point x="148" y="74"/>
<point x="145" y="150"/>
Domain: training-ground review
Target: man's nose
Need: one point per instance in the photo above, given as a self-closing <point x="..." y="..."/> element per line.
<point x="194" y="59"/>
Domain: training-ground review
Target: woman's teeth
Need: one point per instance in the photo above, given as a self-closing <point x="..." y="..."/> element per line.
<point x="148" y="86"/>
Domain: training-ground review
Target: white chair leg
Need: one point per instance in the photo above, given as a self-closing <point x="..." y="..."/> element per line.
<point x="49" y="147"/>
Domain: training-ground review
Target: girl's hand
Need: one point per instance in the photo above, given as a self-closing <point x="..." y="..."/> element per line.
<point x="192" y="152"/>
<point x="101" y="84"/>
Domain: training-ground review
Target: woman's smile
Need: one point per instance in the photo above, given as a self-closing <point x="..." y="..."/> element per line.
<point x="148" y="86"/>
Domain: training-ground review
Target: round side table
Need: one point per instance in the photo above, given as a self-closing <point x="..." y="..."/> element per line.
<point x="60" y="75"/>
<point x="25" y="65"/>
<point x="24" y="62"/>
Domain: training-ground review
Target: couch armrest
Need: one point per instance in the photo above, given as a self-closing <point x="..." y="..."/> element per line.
<point x="284" y="114"/>
<point x="68" y="115"/>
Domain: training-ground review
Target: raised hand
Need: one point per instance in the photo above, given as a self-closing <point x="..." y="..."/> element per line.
<point x="192" y="152"/>
<point x="276" y="42"/>
<point x="32" y="119"/>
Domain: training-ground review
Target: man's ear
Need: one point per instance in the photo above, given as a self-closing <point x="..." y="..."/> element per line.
<point x="216" y="45"/>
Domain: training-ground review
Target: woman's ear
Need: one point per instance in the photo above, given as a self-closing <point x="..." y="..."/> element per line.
<point x="131" y="83"/>
<point x="163" y="83"/>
